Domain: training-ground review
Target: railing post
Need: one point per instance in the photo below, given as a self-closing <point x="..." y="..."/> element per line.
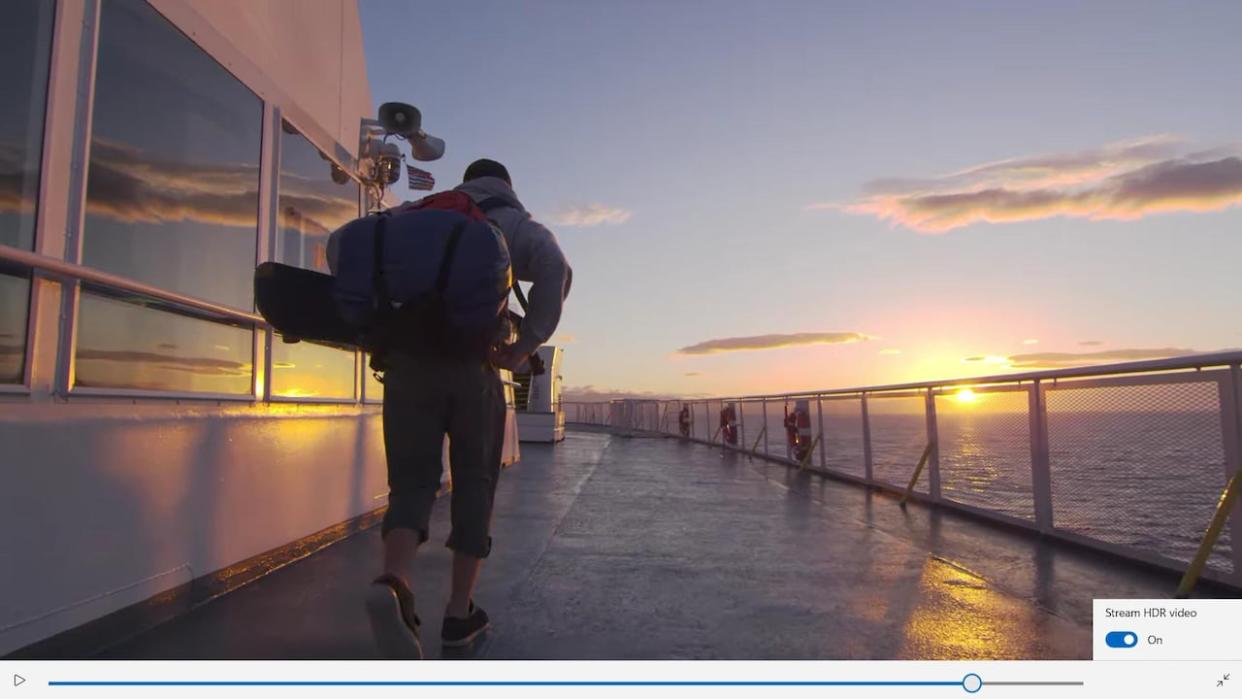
<point x="711" y="432"/>
<point x="765" y="425"/>
<point x="1041" y="469"/>
<point x="933" y="441"/>
<point x="1231" y="431"/>
<point x="741" y="420"/>
<point x="866" y="428"/>
<point x="819" y="407"/>
<point x="784" y="430"/>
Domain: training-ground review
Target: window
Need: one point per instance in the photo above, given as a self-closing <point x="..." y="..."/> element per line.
<point x="14" y="301"/>
<point x="172" y="195"/>
<point x="126" y="345"/>
<point x="172" y="200"/>
<point x="315" y="198"/>
<point x="25" y="50"/>
<point x="374" y="389"/>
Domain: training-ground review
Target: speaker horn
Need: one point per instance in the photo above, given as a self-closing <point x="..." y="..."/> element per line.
<point x="424" y="147"/>
<point x="400" y="118"/>
<point x="406" y="121"/>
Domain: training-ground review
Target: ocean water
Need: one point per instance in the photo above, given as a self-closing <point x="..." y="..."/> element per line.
<point x="1148" y="479"/>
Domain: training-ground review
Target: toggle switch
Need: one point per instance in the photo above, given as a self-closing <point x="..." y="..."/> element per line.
<point x="1121" y="639"/>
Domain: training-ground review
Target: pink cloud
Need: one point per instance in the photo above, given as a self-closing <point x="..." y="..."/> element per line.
<point x="775" y="341"/>
<point x="1118" y="182"/>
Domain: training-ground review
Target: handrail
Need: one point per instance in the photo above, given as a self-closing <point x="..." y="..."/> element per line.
<point x="69" y="271"/>
<point x="1039" y="505"/>
<point x="1189" y="361"/>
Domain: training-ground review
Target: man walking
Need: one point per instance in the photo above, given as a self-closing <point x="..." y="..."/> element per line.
<point x="426" y="398"/>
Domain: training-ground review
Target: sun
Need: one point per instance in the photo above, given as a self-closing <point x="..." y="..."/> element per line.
<point x="966" y="395"/>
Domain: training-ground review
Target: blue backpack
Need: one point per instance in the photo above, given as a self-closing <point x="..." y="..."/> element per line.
<point x="431" y="277"/>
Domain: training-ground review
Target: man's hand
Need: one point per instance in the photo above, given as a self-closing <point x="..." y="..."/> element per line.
<point x="506" y="357"/>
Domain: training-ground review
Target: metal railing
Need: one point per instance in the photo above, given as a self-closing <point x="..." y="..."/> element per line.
<point x="63" y="271"/>
<point x="71" y="274"/>
<point x="1135" y="459"/>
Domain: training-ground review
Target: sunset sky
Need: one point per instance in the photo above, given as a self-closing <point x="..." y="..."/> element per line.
<point x="786" y="195"/>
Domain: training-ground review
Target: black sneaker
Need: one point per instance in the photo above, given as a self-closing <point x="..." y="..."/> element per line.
<point x="390" y="606"/>
<point x="460" y="632"/>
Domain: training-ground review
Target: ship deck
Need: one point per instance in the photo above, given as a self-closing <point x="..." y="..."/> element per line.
<point x="613" y="547"/>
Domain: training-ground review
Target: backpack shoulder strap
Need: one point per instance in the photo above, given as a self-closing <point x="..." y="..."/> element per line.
<point x="382" y="301"/>
<point x="521" y="297"/>
<point x="446" y="262"/>
<point x="487" y="206"/>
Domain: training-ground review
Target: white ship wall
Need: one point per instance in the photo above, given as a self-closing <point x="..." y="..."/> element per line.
<point x="107" y="504"/>
<point x="106" y="501"/>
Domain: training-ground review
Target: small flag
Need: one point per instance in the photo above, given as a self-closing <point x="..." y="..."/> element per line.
<point x="419" y="179"/>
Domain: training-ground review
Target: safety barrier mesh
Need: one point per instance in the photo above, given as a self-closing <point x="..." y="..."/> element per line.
<point x="1134" y="462"/>
<point x="713" y="420"/>
<point x="843" y="436"/>
<point x="898" y="437"/>
<point x="586" y="413"/>
<point x="777" y="439"/>
<point x="752" y="418"/>
<point x="1141" y="466"/>
<point x="985" y="450"/>
<point x="700" y="424"/>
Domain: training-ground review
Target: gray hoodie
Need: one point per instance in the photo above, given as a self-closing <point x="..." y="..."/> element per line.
<point x="536" y="258"/>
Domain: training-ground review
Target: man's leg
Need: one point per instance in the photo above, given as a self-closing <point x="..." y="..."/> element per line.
<point x="414" y="428"/>
<point x="476" y="442"/>
<point x="400" y="546"/>
<point x="465" y="574"/>
<point x="415" y="423"/>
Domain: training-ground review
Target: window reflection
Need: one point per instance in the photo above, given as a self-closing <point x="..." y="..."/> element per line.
<point x="315" y="198"/>
<point x="172" y="193"/>
<point x="306" y="370"/>
<point x="25" y="46"/>
<point x="25" y="50"/>
<point x="375" y="389"/>
<point x="14" y="300"/>
<point x="124" y="345"/>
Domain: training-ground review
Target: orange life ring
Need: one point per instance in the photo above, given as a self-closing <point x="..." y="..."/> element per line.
<point x="683" y="421"/>
<point x="728" y="425"/>
<point x="798" y="430"/>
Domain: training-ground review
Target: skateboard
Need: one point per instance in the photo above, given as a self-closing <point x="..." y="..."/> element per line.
<point x="299" y="305"/>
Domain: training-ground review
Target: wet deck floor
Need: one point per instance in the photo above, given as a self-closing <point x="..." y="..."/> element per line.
<point x="609" y="547"/>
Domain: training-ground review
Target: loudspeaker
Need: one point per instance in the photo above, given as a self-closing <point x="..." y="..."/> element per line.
<point x="425" y="147"/>
<point x="405" y="120"/>
<point x="400" y="118"/>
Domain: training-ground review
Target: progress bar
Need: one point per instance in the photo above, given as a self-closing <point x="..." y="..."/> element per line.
<point x="971" y="683"/>
<point x="501" y="683"/>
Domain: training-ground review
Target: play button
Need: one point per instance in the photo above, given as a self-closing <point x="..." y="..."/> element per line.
<point x="18" y="680"/>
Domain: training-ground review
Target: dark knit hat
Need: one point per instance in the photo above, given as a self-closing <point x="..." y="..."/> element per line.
<point x="486" y="168"/>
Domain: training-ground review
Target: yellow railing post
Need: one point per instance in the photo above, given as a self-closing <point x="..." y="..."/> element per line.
<point x="1223" y="506"/>
<point x="918" y="470"/>
<point x="754" y="449"/>
<point x="806" y="460"/>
